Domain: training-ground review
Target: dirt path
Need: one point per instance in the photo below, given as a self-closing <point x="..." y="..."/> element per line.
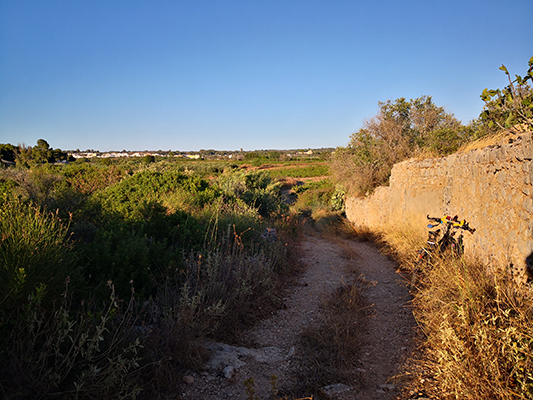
<point x="272" y="347"/>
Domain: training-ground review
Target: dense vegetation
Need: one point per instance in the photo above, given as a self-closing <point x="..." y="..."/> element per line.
<point x="113" y="271"/>
<point x="401" y="130"/>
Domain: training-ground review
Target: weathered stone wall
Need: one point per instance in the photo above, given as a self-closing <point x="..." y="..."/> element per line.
<point x="491" y="188"/>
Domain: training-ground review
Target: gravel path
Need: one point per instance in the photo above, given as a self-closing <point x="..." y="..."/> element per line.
<point x="272" y="346"/>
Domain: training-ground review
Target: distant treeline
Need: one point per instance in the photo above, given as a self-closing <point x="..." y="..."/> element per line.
<point x="40" y="153"/>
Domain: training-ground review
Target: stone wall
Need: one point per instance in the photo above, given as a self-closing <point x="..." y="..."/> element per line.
<point x="491" y="188"/>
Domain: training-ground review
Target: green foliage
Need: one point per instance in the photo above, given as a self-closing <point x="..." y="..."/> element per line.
<point x="7" y="152"/>
<point x="88" y="178"/>
<point x="321" y="204"/>
<point x="25" y="156"/>
<point x="148" y="159"/>
<point x="7" y="186"/>
<point x="43" y="153"/>
<point x="510" y="108"/>
<point x="36" y="185"/>
<point x="307" y="171"/>
<point x="141" y="251"/>
<point x="190" y="248"/>
<point x="138" y="237"/>
<point x="401" y="130"/>
<point x="338" y="199"/>
<point x="69" y="352"/>
<point x="256" y="188"/>
<point x="147" y="221"/>
<point x="131" y="198"/>
<point x="35" y="255"/>
<point x="314" y="198"/>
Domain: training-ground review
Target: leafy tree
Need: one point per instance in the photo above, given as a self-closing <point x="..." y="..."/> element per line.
<point x="42" y="152"/>
<point x="60" y="155"/>
<point x="251" y="155"/>
<point x="510" y="108"/>
<point x="274" y="155"/>
<point x="401" y="129"/>
<point x="148" y="159"/>
<point x="7" y="152"/>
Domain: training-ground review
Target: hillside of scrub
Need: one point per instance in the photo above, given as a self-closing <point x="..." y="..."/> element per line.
<point x="113" y="272"/>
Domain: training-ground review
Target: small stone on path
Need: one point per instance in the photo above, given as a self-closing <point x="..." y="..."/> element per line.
<point x="330" y="391"/>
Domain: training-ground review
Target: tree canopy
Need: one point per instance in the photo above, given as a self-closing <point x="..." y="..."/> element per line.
<point x="24" y="155"/>
<point x="401" y="129"/>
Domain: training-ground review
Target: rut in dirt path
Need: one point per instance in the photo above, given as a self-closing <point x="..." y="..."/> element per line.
<point x="273" y="346"/>
<point x="391" y="330"/>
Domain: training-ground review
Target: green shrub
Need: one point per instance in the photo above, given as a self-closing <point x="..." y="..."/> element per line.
<point x="255" y="188"/>
<point x="131" y="198"/>
<point x="88" y="178"/>
<point x="141" y="250"/>
<point x="70" y="352"/>
<point x="48" y="347"/>
<point x="314" y="194"/>
<point x="190" y="249"/>
<point x="35" y="255"/>
<point x="36" y="185"/>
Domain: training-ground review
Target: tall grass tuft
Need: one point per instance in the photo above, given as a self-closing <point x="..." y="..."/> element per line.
<point x="332" y="347"/>
<point x="34" y="254"/>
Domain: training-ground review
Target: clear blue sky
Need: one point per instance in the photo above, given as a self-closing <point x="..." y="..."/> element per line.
<point x="252" y="74"/>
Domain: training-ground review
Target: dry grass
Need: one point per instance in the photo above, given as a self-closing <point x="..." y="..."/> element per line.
<point x="486" y="141"/>
<point x="480" y="331"/>
<point x="494" y="139"/>
<point x="478" y="327"/>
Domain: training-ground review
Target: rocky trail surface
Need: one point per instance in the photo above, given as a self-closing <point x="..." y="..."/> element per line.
<point x="273" y="346"/>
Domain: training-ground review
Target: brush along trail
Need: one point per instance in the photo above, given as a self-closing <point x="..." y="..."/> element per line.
<point x="382" y="334"/>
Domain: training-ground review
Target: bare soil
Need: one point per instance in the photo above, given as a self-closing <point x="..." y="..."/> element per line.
<point x="273" y="346"/>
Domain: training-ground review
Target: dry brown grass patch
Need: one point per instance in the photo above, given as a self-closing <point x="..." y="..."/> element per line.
<point x="478" y="327"/>
<point x="480" y="331"/>
<point x="486" y="141"/>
